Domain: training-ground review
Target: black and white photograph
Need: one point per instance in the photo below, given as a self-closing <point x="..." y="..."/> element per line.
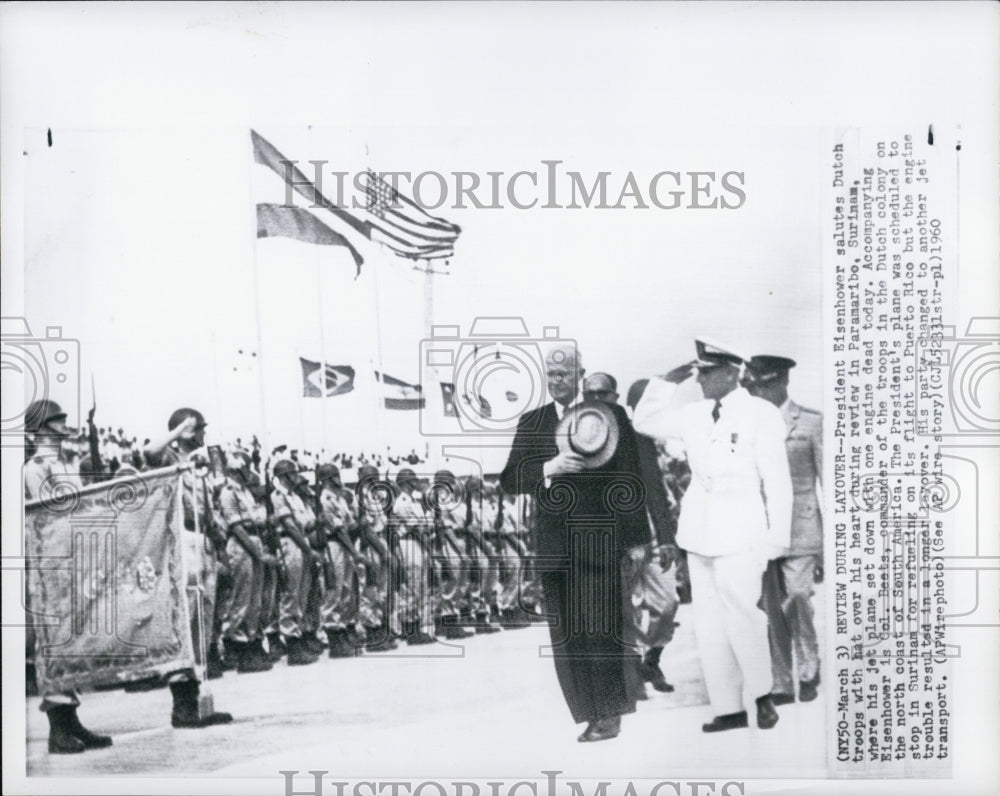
<point x="491" y="398"/>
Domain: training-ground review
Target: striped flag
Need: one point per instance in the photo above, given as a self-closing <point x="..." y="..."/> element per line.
<point x="390" y="218"/>
<point x="400" y="394"/>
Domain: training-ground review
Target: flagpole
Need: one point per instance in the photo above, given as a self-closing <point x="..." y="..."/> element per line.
<point x="322" y="350"/>
<point x="264" y="431"/>
<point x="380" y="379"/>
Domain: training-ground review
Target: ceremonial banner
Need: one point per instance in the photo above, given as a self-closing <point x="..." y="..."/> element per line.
<point x="106" y="582"/>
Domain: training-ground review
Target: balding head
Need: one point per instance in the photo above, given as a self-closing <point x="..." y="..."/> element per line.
<point x="563" y="371"/>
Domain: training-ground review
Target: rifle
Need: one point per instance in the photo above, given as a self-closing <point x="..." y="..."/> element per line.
<point x="319" y="535"/>
<point x="210" y="529"/>
<point x="470" y="534"/>
<point x="95" y="448"/>
<point x="269" y="534"/>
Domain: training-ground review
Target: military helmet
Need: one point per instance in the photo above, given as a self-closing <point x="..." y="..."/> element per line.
<point x="40" y="413"/>
<point x="182" y="414"/>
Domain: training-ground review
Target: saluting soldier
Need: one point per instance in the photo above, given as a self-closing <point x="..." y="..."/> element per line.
<point x="291" y="518"/>
<point x="201" y="550"/>
<point x="47" y="473"/>
<point x="735" y="517"/>
<point x="788" y="584"/>
<point x="341" y="598"/>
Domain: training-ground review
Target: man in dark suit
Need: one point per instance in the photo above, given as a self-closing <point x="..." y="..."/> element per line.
<point x="587" y="518"/>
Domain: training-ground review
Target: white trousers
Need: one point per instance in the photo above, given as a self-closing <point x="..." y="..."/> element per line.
<point x="730" y="629"/>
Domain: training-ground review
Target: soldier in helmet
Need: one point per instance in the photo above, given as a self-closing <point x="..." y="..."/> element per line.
<point x="411" y="526"/>
<point x="340" y="603"/>
<point x="381" y="617"/>
<point x="47" y="473"/>
<point x="444" y="500"/>
<point x="201" y="550"/>
<point x="245" y="520"/>
<point x="485" y="574"/>
<point x="293" y="520"/>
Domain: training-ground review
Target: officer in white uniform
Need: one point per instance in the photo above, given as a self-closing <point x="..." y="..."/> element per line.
<point x="735" y="516"/>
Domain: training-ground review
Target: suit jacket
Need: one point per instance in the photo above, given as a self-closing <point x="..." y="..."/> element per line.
<point x="805" y="460"/>
<point x="657" y="503"/>
<point x="576" y="507"/>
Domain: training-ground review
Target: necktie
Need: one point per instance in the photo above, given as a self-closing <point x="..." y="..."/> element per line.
<point x="715" y="411"/>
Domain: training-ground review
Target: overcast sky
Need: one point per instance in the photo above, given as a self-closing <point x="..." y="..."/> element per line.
<point x="140" y="244"/>
<point x="138" y="219"/>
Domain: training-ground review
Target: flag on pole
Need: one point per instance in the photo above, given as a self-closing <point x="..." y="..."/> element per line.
<point x="399" y="394"/>
<point x="325" y="381"/>
<point x="386" y="216"/>
<point x="274" y="220"/>
<point x="479" y="404"/>
<point x="448" y="398"/>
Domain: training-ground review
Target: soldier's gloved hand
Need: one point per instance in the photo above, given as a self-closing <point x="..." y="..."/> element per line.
<point x="268" y="560"/>
<point x="225" y="565"/>
<point x="315" y="558"/>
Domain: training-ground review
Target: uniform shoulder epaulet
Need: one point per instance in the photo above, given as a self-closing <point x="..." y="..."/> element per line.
<point x="807" y="411"/>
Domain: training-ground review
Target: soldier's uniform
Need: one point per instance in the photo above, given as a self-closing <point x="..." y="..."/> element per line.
<point x="241" y="612"/>
<point x="735" y="447"/>
<point x="788" y="583"/>
<point x="48" y="474"/>
<point x="453" y="565"/>
<point x="300" y="571"/>
<point x="341" y="598"/>
<point x="378" y="593"/>
<point x="501" y="533"/>
<point x="200" y="559"/>
<point x="485" y="568"/>
<point x="412" y="526"/>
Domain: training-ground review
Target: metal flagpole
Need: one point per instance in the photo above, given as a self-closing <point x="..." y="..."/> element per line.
<point x="322" y="353"/>
<point x="264" y="431"/>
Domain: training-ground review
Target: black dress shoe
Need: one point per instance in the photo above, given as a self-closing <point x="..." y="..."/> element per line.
<point x="782" y="699"/>
<point x="601" y="730"/>
<point x="767" y="716"/>
<point x="653" y="675"/>
<point x="730" y="721"/>
<point x="419" y="638"/>
<point x="807" y="689"/>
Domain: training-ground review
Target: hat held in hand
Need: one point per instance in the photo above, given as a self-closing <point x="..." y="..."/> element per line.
<point x="590" y="430"/>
